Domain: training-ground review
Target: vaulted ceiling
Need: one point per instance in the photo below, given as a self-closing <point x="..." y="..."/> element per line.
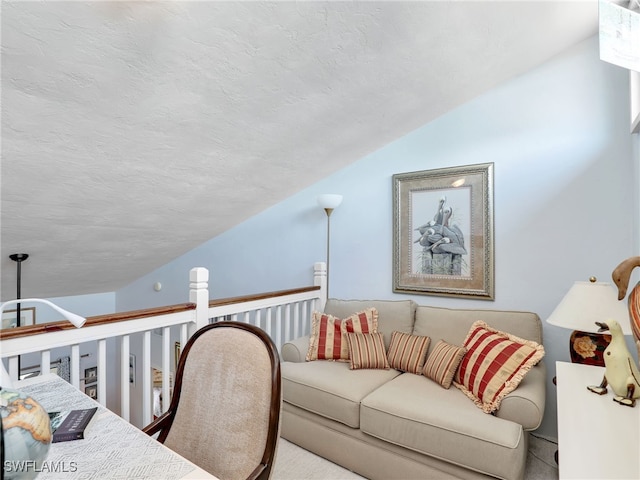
<point x="133" y="132"/>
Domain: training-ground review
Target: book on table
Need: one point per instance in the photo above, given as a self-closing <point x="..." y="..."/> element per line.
<point x="69" y="425"/>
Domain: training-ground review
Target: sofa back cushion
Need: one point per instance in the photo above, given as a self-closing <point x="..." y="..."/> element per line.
<point x="393" y="315"/>
<point x="452" y="325"/>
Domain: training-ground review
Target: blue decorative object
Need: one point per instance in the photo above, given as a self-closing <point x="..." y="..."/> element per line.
<point x="26" y="432"/>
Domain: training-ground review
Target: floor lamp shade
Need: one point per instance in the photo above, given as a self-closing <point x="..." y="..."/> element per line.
<point x="329" y="200"/>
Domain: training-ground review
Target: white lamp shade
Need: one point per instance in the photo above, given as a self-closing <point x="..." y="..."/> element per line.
<point x="329" y="200"/>
<point x="587" y="303"/>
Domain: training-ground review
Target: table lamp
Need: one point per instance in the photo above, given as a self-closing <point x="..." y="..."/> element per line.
<point x="77" y="320"/>
<point x="585" y="304"/>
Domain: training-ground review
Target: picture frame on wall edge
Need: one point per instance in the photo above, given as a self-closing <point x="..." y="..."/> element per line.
<point x="27" y="317"/>
<point x="443" y="232"/>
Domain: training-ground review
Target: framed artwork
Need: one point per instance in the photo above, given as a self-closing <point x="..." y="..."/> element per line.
<point x="443" y="232"/>
<point x="91" y="391"/>
<point x="91" y="375"/>
<point x="27" y="317"/>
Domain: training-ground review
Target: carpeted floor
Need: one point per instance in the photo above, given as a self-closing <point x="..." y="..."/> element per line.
<point x="295" y="463"/>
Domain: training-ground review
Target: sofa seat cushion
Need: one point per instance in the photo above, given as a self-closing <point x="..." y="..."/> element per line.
<point x="331" y="389"/>
<point x="413" y="412"/>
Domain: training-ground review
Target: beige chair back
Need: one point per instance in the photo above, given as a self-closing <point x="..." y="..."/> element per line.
<point x="226" y="404"/>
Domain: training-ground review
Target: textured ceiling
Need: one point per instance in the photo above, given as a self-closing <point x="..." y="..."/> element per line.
<point x="134" y="132"/>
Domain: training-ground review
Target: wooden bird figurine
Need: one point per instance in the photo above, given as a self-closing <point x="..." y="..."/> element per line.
<point x="621" y="372"/>
<point x="621" y="276"/>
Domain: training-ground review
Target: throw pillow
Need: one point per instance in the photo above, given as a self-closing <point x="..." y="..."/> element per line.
<point x="494" y="365"/>
<point x="366" y="350"/>
<point x="327" y="340"/>
<point x="407" y="352"/>
<point x="442" y="363"/>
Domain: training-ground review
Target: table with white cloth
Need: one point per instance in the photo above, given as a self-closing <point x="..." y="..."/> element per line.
<point x="112" y="448"/>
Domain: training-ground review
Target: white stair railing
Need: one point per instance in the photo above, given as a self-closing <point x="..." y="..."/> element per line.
<point x="54" y="337"/>
<point x="284" y="315"/>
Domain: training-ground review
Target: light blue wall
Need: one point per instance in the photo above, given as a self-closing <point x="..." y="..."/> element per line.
<point x="84" y="305"/>
<point x="564" y="206"/>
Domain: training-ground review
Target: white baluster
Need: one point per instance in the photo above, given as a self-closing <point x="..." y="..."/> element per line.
<point x="75" y="365"/>
<point x="287" y="323"/>
<point x="147" y="402"/>
<point x="268" y="321"/>
<point x="296" y="317"/>
<point x="45" y="362"/>
<point x="125" y="409"/>
<point x="13" y="368"/>
<point x="183" y="340"/>
<point x="166" y="372"/>
<point x="258" y="318"/>
<point x="279" y="329"/>
<point x="305" y="313"/>
<point x="102" y="371"/>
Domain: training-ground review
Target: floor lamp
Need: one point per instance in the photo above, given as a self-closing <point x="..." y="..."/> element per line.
<point x="18" y="258"/>
<point x="329" y="202"/>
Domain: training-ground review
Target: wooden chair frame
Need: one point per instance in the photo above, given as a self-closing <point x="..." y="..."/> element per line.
<point x="163" y="423"/>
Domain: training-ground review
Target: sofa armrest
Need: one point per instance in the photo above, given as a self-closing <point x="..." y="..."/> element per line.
<point x="525" y="405"/>
<point x="296" y="350"/>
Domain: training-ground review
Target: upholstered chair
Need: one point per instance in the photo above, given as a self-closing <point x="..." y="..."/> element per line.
<point x="224" y="415"/>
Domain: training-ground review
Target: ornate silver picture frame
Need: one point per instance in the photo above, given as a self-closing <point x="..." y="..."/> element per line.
<point x="443" y="232"/>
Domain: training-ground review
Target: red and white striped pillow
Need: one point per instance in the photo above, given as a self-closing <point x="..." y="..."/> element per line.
<point x="494" y="365"/>
<point x="442" y="362"/>
<point x="407" y="352"/>
<point x="366" y="350"/>
<point x="328" y="333"/>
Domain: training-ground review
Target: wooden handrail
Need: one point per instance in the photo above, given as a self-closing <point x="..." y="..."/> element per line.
<point x="261" y="296"/>
<point x="29" y="330"/>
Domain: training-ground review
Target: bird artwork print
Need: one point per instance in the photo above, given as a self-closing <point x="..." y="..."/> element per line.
<point x="442" y="243"/>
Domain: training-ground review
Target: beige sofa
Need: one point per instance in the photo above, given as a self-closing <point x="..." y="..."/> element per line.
<point x="384" y="424"/>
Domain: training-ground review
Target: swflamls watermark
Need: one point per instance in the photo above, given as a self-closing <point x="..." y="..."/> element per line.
<point x="31" y="466"/>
